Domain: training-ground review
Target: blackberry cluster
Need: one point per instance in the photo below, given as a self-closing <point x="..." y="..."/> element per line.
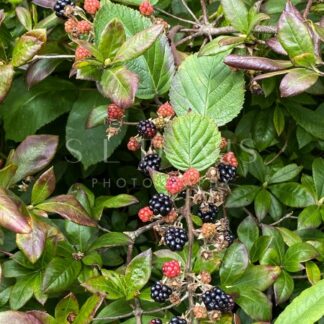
<point x="160" y="293"/>
<point x="208" y="216"/>
<point x="150" y="161"/>
<point x="175" y="238"/>
<point x="178" y="320"/>
<point x="161" y="204"/>
<point x="229" y="237"/>
<point x="146" y="128"/>
<point x="226" y="172"/>
<point x="217" y="299"/>
<point x="156" y="321"/>
<point x="60" y="6"/>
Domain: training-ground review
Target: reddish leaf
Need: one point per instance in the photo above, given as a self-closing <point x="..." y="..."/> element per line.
<point x="33" y="154"/>
<point x="18" y="317"/>
<point x="256" y="63"/>
<point x="10" y="215"/>
<point x="275" y="45"/>
<point x="297" y="81"/>
<point x="43" y="187"/>
<point x="68" y="207"/>
<point x="43" y="317"/>
<point x="45" y="3"/>
<point x="6" y="75"/>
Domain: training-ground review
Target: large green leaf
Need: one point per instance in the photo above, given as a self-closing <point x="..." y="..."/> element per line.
<point x="116" y="308"/>
<point x="89" y="146"/>
<point x="286" y="173"/>
<point x="192" y="141"/>
<point x="248" y="231"/>
<point x="66" y="307"/>
<point x="110" y="239"/>
<point x="307" y="308"/>
<point x="89" y="309"/>
<point x="208" y="87"/>
<point x="155" y="68"/>
<point x="283" y="287"/>
<point x="237" y="14"/>
<point x="21" y="292"/>
<point x="310" y="217"/>
<point x="25" y="111"/>
<point x="242" y="196"/>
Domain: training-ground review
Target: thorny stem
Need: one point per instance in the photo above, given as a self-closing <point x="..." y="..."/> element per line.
<point x="204" y="11"/>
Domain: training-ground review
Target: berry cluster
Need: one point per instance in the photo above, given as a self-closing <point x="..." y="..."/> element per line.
<point x="226" y="172"/>
<point x="175" y="238"/>
<point x="91" y="6"/>
<point x="149" y="161"/>
<point x="146" y="129"/>
<point x="178" y="320"/>
<point x="161" y="204"/>
<point x="160" y="293"/>
<point x="60" y="6"/>
<point x="208" y="213"/>
<point x="81" y="53"/>
<point x="115" y="112"/>
<point x="146" y="9"/>
<point x="217" y="299"/>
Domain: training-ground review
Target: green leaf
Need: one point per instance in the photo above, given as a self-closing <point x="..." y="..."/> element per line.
<point x="221" y="44"/>
<point x="286" y="173"/>
<point x="27" y="46"/>
<point x="138" y="273"/>
<point x="44" y="186"/>
<point x="255" y="304"/>
<point x="116" y="308"/>
<point x="237" y="14"/>
<point x="111" y="39"/>
<point x="159" y="181"/>
<point x="242" y="196"/>
<point x="111" y="239"/>
<point x="297" y="253"/>
<point x="297" y="81"/>
<point x="262" y="203"/>
<point x="248" y="232"/>
<point x="33" y="108"/>
<point x="289" y="237"/>
<point x="24" y="17"/>
<point x="313" y="272"/>
<point x="208" y="87"/>
<point x="89" y="146"/>
<point x="6" y="175"/>
<point x="318" y="176"/>
<point x="121" y="200"/>
<point x="294" y="36"/>
<point x="234" y="264"/>
<point x="80" y="236"/>
<point x="66" y="308"/>
<point x="283" y="287"/>
<point x="306" y="308"/>
<point x="292" y="194"/>
<point x="192" y="141"/>
<point x="60" y="274"/>
<point x="89" y="309"/>
<point x="120" y="85"/>
<point x="6" y="76"/>
<point x="259" y="247"/>
<point x="155" y="67"/>
<point x="310" y="217"/>
<point x="21" y="292"/>
<point x="68" y="207"/>
<point x="39" y="295"/>
<point x="278" y="120"/>
<point x="97" y="116"/>
<point x="11" y="216"/>
<point x="136" y="45"/>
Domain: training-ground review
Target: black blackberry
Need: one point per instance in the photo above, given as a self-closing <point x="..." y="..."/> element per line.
<point x="226" y="172"/>
<point x="208" y="213"/>
<point x="161" y="204"/>
<point x="60" y="6"/>
<point x="156" y="321"/>
<point x="146" y="128"/>
<point x="229" y="237"/>
<point x="150" y="161"/>
<point x="178" y="320"/>
<point x="175" y="238"/>
<point x="217" y="299"/>
<point x="160" y="293"/>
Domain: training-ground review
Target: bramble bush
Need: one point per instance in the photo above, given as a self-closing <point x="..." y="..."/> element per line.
<point x="161" y="162"/>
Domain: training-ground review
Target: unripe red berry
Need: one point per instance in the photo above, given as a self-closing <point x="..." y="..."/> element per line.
<point x="157" y="141"/>
<point x="230" y="158"/>
<point x="145" y="8"/>
<point x="81" y="53"/>
<point x="70" y="26"/>
<point x="171" y="269"/>
<point x="191" y="177"/>
<point x="166" y="110"/>
<point x="174" y="185"/>
<point x="145" y="214"/>
<point x="84" y="27"/>
<point x="115" y="112"/>
<point x="133" y="144"/>
<point x="91" y="6"/>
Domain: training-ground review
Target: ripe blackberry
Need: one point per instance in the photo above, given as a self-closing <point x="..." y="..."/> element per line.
<point x="229" y="237"/>
<point x="60" y="6"/>
<point x="178" y="320"/>
<point x="160" y="293"/>
<point x="226" y="172"/>
<point x="175" y="238"/>
<point x="217" y="299"/>
<point x="146" y="128"/>
<point x="161" y="204"/>
<point x="208" y="214"/>
<point x="150" y="161"/>
<point x="156" y="321"/>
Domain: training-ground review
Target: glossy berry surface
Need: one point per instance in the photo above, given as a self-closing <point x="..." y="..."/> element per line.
<point x="70" y="26"/>
<point x="171" y="269"/>
<point x="166" y="110"/>
<point x="145" y="214"/>
<point x="83" y="27"/>
<point x="208" y="214"/>
<point x="174" y="185"/>
<point x="178" y="320"/>
<point x="175" y="238"/>
<point x="60" y="6"/>
<point x="133" y="144"/>
<point x="115" y="112"/>
<point x="91" y="6"/>
<point x="191" y="177"/>
<point x="229" y="237"/>
<point x="230" y="158"/>
<point x="157" y="141"/>
<point x="217" y="299"/>
<point x="227" y="172"/>
<point x="156" y="321"/>
<point x="161" y="204"/>
<point x="160" y="293"/>
<point x="146" y="128"/>
<point x="81" y="53"/>
<point x="146" y="9"/>
<point x="150" y="161"/>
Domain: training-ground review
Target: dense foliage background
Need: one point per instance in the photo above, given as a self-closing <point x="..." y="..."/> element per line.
<point x="73" y="249"/>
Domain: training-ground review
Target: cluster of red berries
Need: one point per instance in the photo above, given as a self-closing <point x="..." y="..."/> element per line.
<point x="75" y="27"/>
<point x="91" y="6"/>
<point x="146" y="8"/>
<point x="176" y="184"/>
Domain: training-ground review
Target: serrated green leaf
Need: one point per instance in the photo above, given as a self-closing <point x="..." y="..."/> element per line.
<point x="237" y="14"/>
<point x="208" y="87"/>
<point x="159" y="180"/>
<point x="192" y="141"/>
